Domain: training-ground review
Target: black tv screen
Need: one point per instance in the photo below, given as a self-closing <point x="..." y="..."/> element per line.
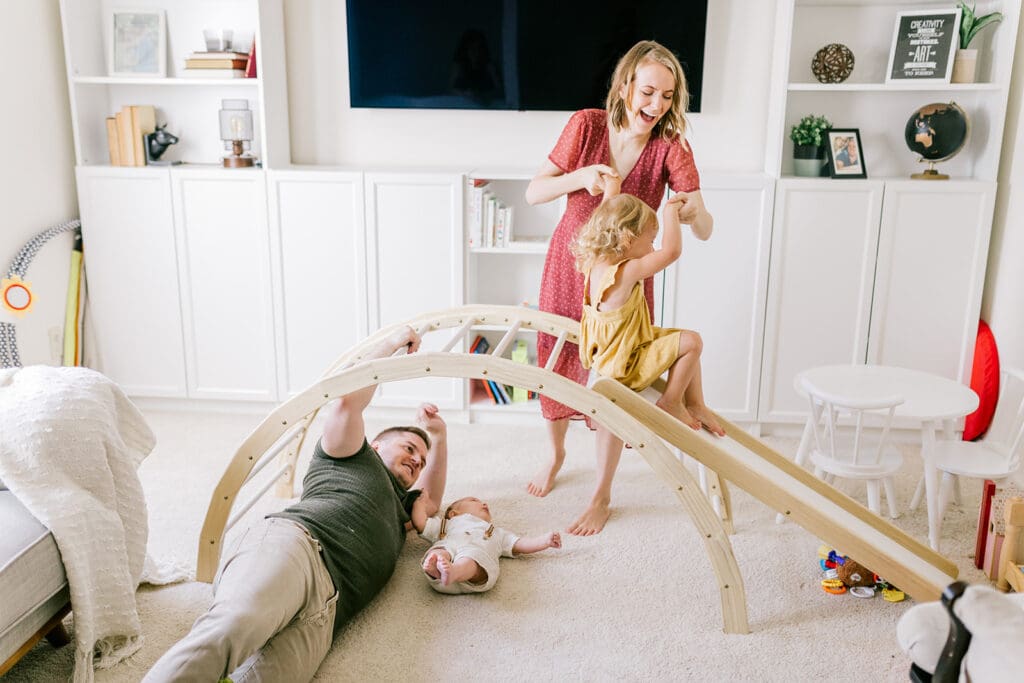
<point x="527" y="55"/>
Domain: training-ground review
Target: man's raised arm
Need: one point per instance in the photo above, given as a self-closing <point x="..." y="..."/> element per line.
<point x="345" y="430"/>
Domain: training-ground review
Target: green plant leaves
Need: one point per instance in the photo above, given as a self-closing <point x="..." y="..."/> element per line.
<point x="971" y="23"/>
<point x="809" y="130"/>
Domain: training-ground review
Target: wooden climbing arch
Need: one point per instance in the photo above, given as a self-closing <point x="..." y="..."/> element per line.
<point x="279" y="437"/>
<point x="835" y="518"/>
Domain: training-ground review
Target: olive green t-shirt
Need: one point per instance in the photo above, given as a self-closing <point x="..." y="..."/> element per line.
<point x="357" y="510"/>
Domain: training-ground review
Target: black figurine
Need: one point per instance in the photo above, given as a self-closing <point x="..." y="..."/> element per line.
<point x="157" y="143"/>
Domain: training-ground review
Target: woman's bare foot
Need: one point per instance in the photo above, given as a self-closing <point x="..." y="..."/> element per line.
<point x="679" y="412"/>
<point x="592" y="520"/>
<point x="544" y="480"/>
<point x="707" y="418"/>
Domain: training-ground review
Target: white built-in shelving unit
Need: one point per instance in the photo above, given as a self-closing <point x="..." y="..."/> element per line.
<point x="188" y="105"/>
<point x="879" y="109"/>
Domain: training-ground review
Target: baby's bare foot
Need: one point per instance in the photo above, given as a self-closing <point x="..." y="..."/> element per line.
<point x="544" y="480"/>
<point x="707" y="418"/>
<point x="430" y="566"/>
<point x="679" y="412"/>
<point x="444" y="568"/>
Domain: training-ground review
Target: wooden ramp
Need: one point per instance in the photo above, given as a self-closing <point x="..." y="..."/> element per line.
<point x="779" y="483"/>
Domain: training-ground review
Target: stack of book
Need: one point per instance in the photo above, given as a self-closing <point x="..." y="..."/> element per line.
<point x="490" y="221"/>
<point x="126" y="132"/>
<point x="217" y="64"/>
<point x="498" y="393"/>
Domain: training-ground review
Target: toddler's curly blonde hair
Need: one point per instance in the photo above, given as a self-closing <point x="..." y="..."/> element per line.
<point x="612" y="228"/>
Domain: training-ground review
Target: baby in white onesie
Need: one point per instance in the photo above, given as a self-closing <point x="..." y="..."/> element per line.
<point x="464" y="556"/>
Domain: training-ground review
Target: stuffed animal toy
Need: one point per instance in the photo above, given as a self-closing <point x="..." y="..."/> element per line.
<point x="852" y="573"/>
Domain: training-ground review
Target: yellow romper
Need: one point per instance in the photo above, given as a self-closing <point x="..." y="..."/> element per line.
<point x="622" y="343"/>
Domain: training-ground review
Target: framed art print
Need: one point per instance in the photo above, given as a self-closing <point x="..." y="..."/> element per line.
<point x="923" y="45"/>
<point x="138" y="43"/>
<point x="845" y="153"/>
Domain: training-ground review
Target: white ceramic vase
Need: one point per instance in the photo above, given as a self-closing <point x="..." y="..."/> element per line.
<point x="965" y="66"/>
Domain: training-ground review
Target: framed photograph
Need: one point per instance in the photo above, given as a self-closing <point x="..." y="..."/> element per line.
<point x="845" y="154"/>
<point x="923" y="45"/>
<point x="138" y="42"/>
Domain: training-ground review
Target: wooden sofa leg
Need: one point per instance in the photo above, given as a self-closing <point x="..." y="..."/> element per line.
<point x="58" y="636"/>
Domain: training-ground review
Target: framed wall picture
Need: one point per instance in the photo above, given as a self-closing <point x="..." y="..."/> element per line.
<point x="845" y="153"/>
<point x="923" y="45"/>
<point x="138" y="43"/>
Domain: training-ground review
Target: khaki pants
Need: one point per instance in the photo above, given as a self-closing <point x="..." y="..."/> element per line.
<point x="272" y="616"/>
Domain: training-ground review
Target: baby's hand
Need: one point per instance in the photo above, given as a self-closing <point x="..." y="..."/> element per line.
<point x="554" y="540"/>
<point x="670" y="212"/>
<point x="612" y="186"/>
<point x="594" y="177"/>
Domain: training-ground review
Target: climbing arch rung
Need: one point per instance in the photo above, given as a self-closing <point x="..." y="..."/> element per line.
<point x="559" y="343"/>
<point x="503" y="345"/>
<point x="458" y="336"/>
<point x="257" y="495"/>
<point x="288" y="439"/>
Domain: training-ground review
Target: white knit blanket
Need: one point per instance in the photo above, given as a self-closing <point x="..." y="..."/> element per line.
<point x="70" y="444"/>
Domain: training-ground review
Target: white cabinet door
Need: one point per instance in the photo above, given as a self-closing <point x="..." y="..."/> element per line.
<point x="824" y="242"/>
<point x="932" y="253"/>
<point x="319" y="247"/>
<point x="224" y="263"/>
<point x="132" y="275"/>
<point x="718" y="288"/>
<point x="415" y="265"/>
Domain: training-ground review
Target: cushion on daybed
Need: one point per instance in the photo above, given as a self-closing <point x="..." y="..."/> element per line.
<point x="33" y="586"/>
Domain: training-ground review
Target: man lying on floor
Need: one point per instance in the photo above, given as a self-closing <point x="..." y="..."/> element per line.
<point x="292" y="580"/>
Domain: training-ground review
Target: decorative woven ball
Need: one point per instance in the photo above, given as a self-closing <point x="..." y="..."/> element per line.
<point x="832" y="63"/>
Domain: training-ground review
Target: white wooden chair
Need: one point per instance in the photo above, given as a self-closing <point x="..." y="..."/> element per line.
<point x="859" y="451"/>
<point x="996" y="456"/>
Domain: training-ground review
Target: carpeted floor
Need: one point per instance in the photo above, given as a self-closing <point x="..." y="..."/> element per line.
<point x="636" y="603"/>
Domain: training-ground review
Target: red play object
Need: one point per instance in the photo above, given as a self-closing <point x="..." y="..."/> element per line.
<point x="984" y="382"/>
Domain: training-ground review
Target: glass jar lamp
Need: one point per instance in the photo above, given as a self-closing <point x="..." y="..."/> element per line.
<point x="236" y="130"/>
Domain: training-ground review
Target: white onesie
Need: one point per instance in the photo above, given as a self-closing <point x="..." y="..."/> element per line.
<point x="469" y="536"/>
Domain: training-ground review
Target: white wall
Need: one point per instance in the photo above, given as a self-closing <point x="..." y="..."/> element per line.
<point x="727" y="135"/>
<point x="37" y="186"/>
<point x="1003" y="305"/>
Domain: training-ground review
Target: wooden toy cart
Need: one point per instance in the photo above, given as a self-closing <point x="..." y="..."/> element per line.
<point x="1010" y="573"/>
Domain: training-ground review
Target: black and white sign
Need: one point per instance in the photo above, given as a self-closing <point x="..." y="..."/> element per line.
<point x="923" y="46"/>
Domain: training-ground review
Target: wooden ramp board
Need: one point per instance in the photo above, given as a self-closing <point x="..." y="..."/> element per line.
<point x="778" y="482"/>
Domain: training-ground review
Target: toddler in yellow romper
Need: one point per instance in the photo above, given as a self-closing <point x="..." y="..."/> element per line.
<point x="615" y="252"/>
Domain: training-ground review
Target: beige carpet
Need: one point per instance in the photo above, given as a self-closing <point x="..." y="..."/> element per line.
<point x="637" y="602"/>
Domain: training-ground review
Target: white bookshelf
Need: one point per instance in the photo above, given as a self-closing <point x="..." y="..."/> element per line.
<point x="879" y="109"/>
<point x="188" y="105"/>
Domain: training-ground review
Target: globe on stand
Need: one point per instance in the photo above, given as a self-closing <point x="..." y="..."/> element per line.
<point x="937" y="132"/>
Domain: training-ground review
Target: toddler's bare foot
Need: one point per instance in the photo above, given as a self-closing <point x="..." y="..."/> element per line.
<point x="592" y="520"/>
<point x="544" y="480"/>
<point x="707" y="418"/>
<point x="444" y="568"/>
<point x="430" y="566"/>
<point x="679" y="412"/>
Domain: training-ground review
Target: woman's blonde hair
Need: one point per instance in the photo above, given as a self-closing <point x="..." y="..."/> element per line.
<point x="673" y="123"/>
<point x="612" y="228"/>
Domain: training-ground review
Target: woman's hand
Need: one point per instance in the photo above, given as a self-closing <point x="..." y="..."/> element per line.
<point x="691" y="207"/>
<point x="592" y="178"/>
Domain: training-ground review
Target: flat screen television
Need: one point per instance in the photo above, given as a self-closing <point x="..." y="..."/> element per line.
<point x="527" y="55"/>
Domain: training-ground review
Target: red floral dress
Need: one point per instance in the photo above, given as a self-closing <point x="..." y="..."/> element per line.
<point x="584" y="142"/>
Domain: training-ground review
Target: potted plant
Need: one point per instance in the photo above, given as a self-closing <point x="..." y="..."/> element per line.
<point x="809" y="145"/>
<point x="965" y="63"/>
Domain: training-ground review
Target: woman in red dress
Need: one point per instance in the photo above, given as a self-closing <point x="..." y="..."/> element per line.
<point x="635" y="145"/>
